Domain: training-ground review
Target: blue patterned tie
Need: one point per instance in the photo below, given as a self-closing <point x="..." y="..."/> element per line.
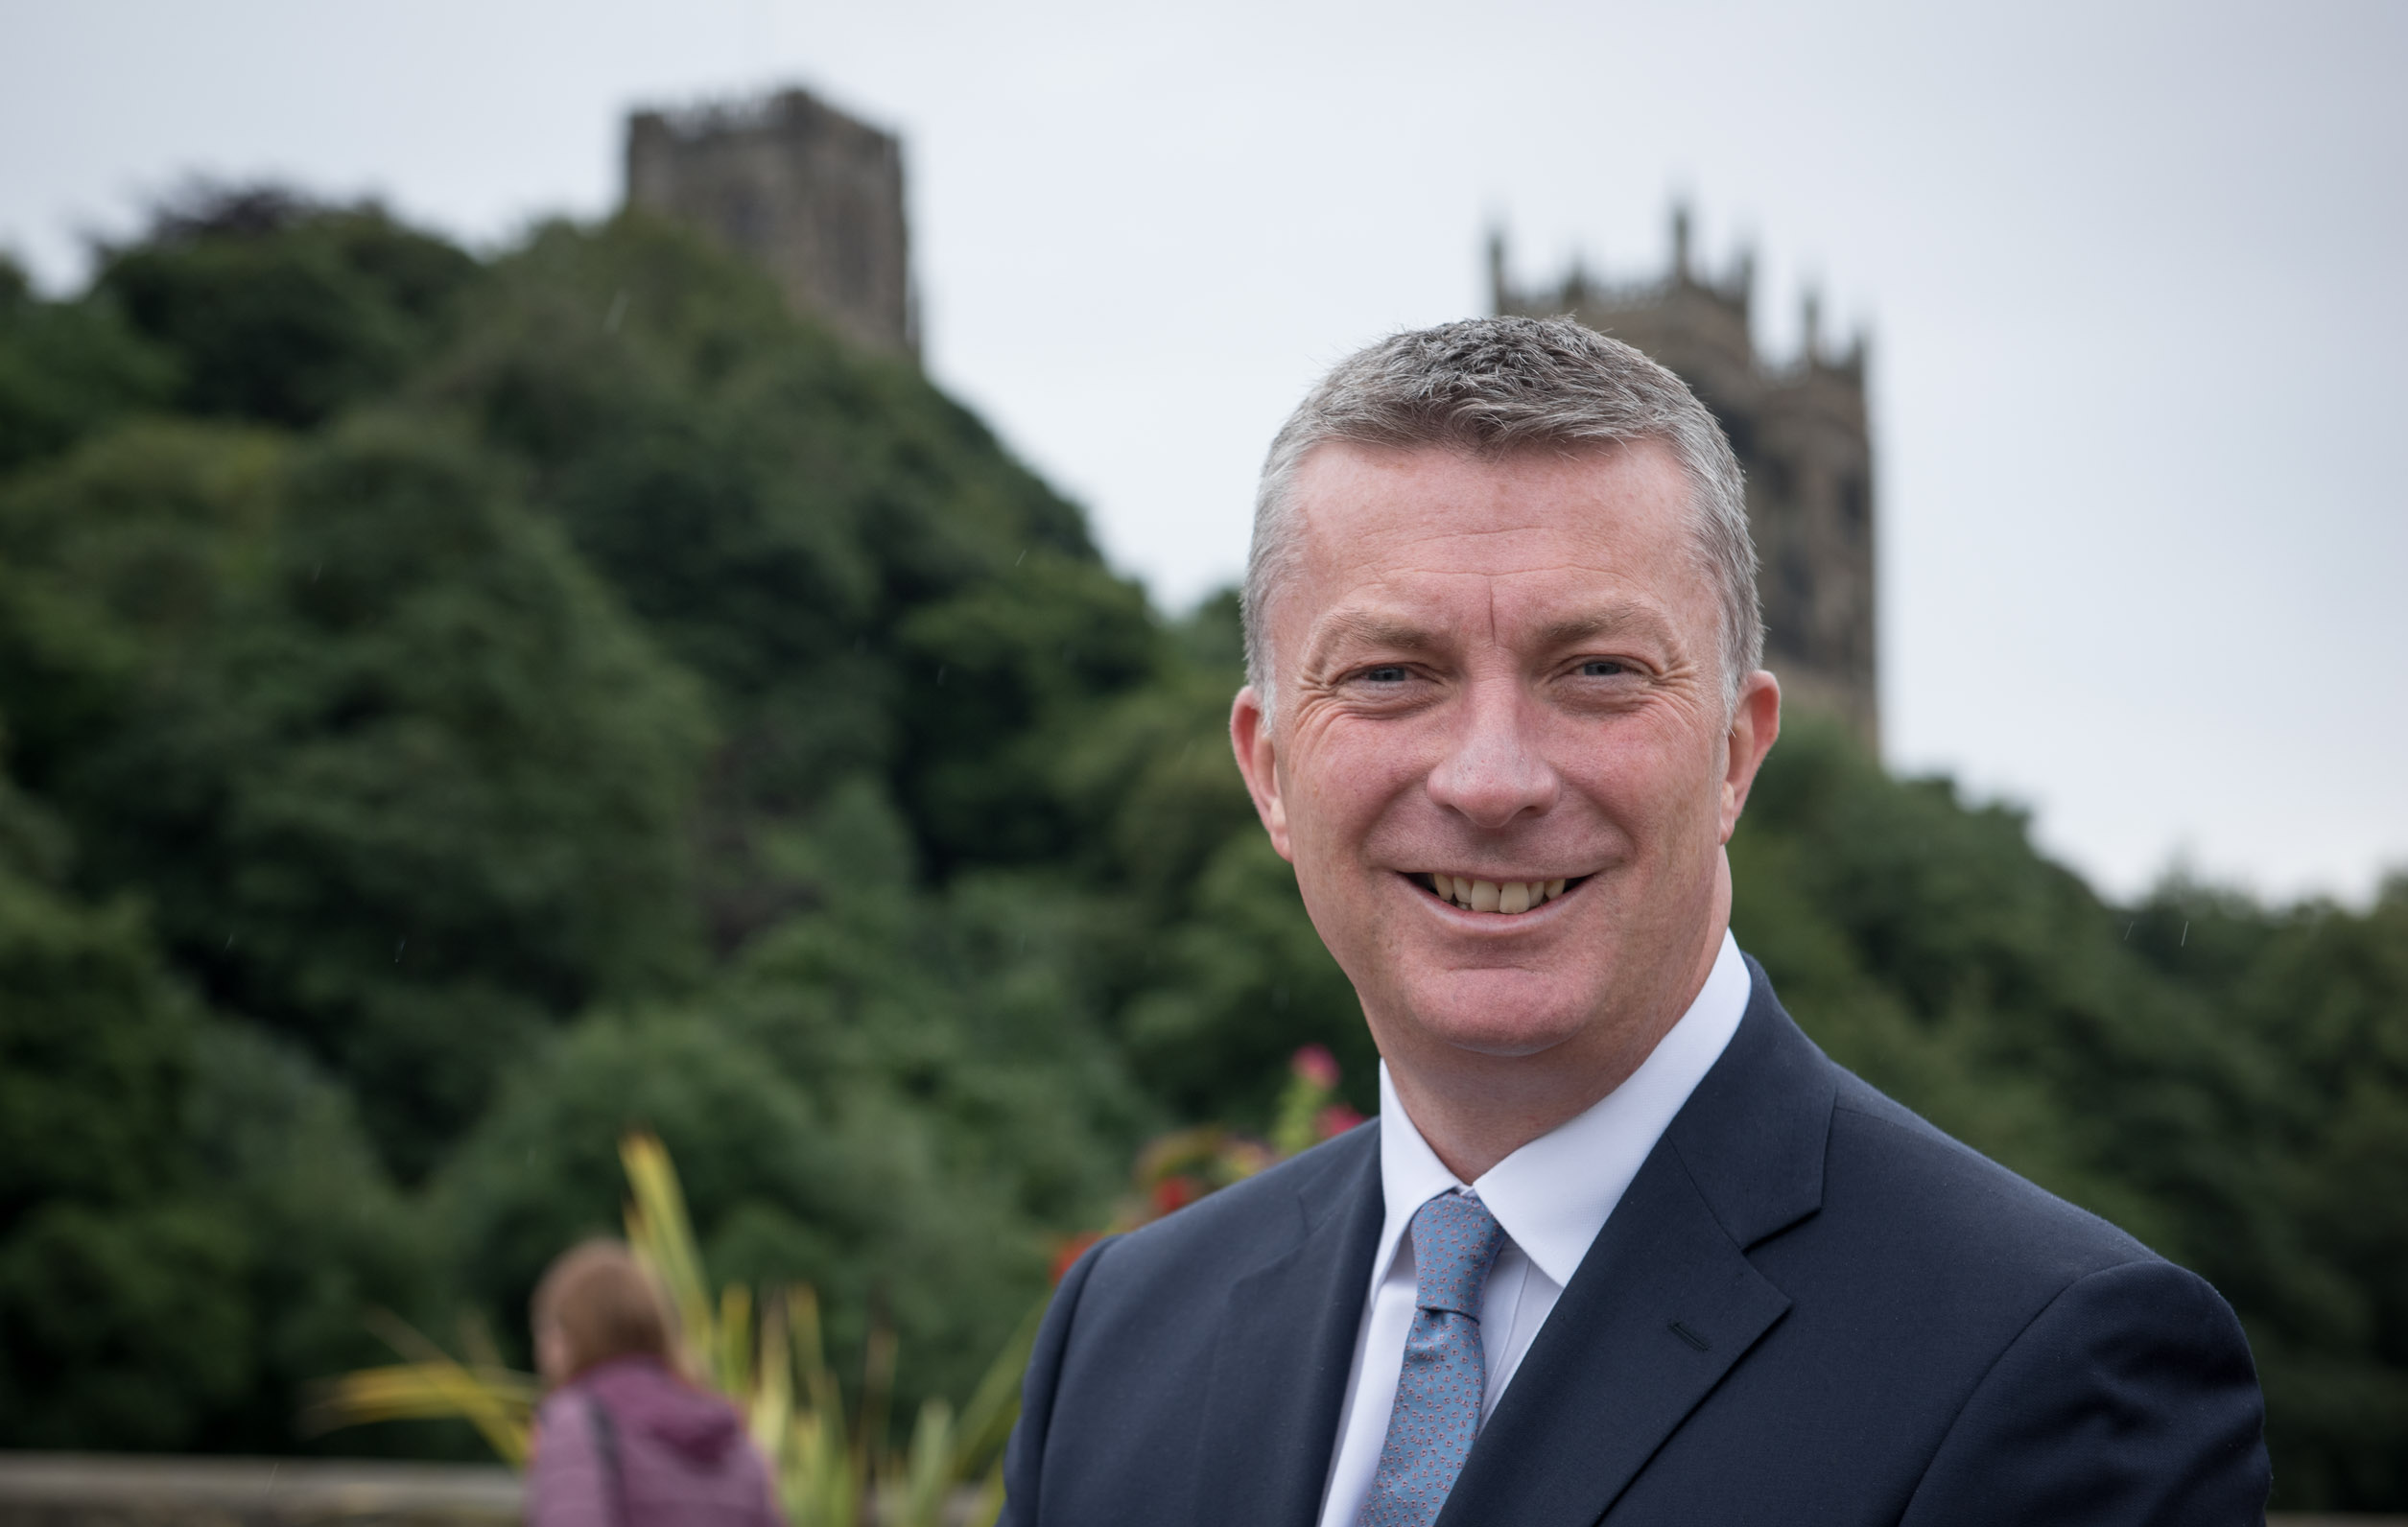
<point x="1438" y="1394"/>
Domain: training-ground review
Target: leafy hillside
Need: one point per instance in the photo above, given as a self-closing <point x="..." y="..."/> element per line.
<point x="457" y="710"/>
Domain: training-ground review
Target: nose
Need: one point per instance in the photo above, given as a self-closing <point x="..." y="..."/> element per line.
<point x="1494" y="771"/>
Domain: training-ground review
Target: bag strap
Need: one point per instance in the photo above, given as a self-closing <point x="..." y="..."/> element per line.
<point x="606" y="1448"/>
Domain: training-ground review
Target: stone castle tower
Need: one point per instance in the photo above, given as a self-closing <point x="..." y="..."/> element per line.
<point x="1800" y="433"/>
<point x="813" y="194"/>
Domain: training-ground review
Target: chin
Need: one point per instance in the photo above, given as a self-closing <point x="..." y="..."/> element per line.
<point x="1505" y="1044"/>
<point x="1500" y="1013"/>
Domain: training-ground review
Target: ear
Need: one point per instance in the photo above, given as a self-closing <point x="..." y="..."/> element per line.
<point x="1258" y="760"/>
<point x="1754" y="722"/>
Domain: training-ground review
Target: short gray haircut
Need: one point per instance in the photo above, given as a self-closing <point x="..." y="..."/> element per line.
<point x="1489" y="388"/>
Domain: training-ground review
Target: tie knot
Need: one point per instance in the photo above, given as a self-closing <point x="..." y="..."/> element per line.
<point x="1454" y="1239"/>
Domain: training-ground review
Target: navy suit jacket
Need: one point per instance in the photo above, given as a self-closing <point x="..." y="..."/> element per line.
<point x="1809" y="1308"/>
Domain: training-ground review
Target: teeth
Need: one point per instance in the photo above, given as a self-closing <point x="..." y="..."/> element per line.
<point x="1507" y="897"/>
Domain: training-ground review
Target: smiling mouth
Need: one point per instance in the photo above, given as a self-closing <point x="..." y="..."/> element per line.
<point x="1506" y="898"/>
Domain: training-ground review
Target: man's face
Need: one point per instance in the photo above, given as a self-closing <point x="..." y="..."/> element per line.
<point x="1505" y="673"/>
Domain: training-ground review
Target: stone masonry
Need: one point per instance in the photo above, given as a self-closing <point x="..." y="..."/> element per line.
<point x="810" y="193"/>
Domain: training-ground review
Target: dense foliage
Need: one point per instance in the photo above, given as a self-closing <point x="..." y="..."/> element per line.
<point x="458" y="710"/>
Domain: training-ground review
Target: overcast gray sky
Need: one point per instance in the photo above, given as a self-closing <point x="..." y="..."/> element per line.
<point x="2137" y="278"/>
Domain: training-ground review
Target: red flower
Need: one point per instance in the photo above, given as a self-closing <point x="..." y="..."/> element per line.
<point x="1174" y="1193"/>
<point x="1071" y="1251"/>
<point x="1336" y="1120"/>
<point x="1317" y="1065"/>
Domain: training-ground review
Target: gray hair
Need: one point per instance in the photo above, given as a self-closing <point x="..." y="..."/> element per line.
<point x="1489" y="387"/>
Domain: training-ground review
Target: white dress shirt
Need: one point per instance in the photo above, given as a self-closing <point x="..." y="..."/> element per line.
<point x="1553" y="1196"/>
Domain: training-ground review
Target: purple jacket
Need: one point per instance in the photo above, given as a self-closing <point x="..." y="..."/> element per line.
<point x="682" y="1457"/>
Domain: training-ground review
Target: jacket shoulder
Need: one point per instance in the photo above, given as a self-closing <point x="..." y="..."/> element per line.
<point x="1798" y="1156"/>
<point x="1213" y="1240"/>
<point x="1953" y="1204"/>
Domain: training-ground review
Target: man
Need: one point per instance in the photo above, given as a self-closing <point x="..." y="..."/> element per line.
<point x="1622" y="1246"/>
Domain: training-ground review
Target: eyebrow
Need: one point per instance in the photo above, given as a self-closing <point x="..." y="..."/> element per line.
<point x="1366" y="629"/>
<point x="1613" y="619"/>
<point x="1375" y="629"/>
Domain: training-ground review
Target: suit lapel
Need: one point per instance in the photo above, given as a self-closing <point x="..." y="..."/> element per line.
<point x="1288" y="1342"/>
<point x="1666" y="1301"/>
<point x="1660" y="1308"/>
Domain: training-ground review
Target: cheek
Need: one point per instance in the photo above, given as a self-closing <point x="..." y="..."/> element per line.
<point x="1652" y="785"/>
<point x="1345" y="778"/>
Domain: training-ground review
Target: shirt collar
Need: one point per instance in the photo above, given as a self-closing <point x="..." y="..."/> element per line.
<point x="1555" y="1193"/>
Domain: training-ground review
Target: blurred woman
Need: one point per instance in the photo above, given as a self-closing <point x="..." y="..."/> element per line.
<point x="621" y="1440"/>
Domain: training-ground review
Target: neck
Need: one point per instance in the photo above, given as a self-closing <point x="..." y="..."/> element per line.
<point x="1474" y="1110"/>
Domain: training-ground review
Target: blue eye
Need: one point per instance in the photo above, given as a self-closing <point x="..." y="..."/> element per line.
<point x="1386" y="673"/>
<point x="1601" y="669"/>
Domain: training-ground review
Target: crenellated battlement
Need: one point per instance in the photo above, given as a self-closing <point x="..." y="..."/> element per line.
<point x="811" y="194"/>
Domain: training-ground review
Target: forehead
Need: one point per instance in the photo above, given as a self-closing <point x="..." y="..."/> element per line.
<point x="1519" y="534"/>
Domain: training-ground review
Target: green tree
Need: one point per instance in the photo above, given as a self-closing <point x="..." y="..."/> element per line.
<point x="399" y="776"/>
<point x="66" y="369"/>
<point x="859" y="572"/>
<point x="832" y="1179"/>
<point x="275" y="1149"/>
<point x="2310" y="1244"/>
<point x="280" y="310"/>
<point x="905" y="1096"/>
<point x="174" y="1260"/>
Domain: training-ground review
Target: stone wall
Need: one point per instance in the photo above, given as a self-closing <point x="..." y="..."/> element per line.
<point x="812" y="195"/>
<point x="95" y="1490"/>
